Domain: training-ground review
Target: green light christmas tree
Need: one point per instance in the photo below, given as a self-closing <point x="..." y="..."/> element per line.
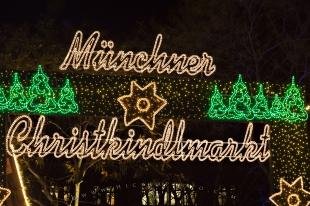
<point x="277" y="110"/>
<point x="217" y="109"/>
<point x="17" y="101"/>
<point x="66" y="102"/>
<point x="294" y="104"/>
<point x="239" y="102"/>
<point x="41" y="95"/>
<point x="260" y="108"/>
<point x="3" y="100"/>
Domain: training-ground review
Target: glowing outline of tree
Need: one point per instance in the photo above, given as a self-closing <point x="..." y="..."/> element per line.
<point x="70" y="96"/>
<point x="261" y="109"/>
<point x="217" y="105"/>
<point x="277" y="109"/>
<point x="17" y="101"/>
<point x="232" y="111"/>
<point x="293" y="100"/>
<point x="50" y="105"/>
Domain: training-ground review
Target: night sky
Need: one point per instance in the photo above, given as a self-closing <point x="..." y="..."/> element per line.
<point x="263" y="40"/>
<point x="116" y="15"/>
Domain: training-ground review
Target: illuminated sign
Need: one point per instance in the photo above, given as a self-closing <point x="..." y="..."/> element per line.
<point x="105" y="145"/>
<point x="85" y="54"/>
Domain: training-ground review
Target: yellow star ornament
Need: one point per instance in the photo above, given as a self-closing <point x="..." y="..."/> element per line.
<point x="291" y="194"/>
<point x="141" y="104"/>
<point x="4" y="194"/>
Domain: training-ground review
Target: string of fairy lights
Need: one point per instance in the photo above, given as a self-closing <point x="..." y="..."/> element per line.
<point x="290" y="152"/>
<point x="97" y="94"/>
<point x="187" y="98"/>
<point x="2" y="152"/>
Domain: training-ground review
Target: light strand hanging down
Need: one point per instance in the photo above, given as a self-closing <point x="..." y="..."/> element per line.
<point x="85" y="55"/>
<point x="21" y="179"/>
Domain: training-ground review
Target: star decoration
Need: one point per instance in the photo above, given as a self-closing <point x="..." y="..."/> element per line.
<point x="291" y="194"/>
<point x="4" y="194"/>
<point x="141" y="104"/>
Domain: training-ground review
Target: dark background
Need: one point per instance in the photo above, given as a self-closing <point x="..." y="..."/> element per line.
<point x="261" y="39"/>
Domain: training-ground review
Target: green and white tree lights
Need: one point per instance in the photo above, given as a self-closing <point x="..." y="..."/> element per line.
<point x="260" y="108"/>
<point x="217" y="108"/>
<point x="277" y="110"/>
<point x="241" y="106"/>
<point x="294" y="104"/>
<point x="66" y="102"/>
<point x="17" y="101"/>
<point x="39" y="97"/>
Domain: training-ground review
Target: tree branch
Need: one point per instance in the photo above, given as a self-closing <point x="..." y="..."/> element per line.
<point x="41" y="182"/>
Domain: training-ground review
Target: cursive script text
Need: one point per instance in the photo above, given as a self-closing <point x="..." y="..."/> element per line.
<point x="102" y="143"/>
